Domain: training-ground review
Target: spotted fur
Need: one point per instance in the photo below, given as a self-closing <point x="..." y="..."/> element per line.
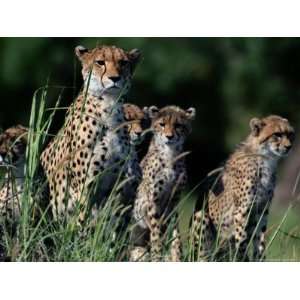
<point x="93" y="146"/>
<point x="164" y="177"/>
<point x="239" y="201"/>
<point x="13" y="142"/>
<point x="137" y="121"/>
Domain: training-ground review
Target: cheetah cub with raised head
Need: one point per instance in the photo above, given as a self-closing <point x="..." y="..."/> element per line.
<point x="239" y="201"/>
<point x="13" y="142"/>
<point x="164" y="177"/>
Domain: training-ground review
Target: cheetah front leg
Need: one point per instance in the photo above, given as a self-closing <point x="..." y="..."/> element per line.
<point x="175" y="251"/>
<point x="139" y="239"/>
<point x="259" y="244"/>
<point x="200" y="234"/>
<point x="175" y="254"/>
<point x="241" y="239"/>
<point x="139" y="254"/>
<point x="155" y="232"/>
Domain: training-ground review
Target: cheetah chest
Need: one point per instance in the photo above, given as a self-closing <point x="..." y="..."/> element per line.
<point x="109" y="158"/>
<point x="267" y="182"/>
<point x="167" y="185"/>
<point x="168" y="176"/>
<point x="267" y="176"/>
<point x="111" y="149"/>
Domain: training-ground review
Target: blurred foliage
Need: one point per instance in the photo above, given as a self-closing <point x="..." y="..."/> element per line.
<point x="228" y="80"/>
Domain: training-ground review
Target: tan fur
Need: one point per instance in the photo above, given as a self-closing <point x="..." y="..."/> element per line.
<point x="94" y="138"/>
<point x="104" y="65"/>
<point x="13" y="142"/>
<point x="116" y="60"/>
<point x="164" y="177"/>
<point x="239" y="200"/>
<point x="10" y="136"/>
<point x="137" y="121"/>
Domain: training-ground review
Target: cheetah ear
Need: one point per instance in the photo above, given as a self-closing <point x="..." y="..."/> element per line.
<point x="146" y="110"/>
<point x="19" y="126"/>
<point x="256" y="125"/>
<point x="191" y="113"/>
<point x="151" y="111"/>
<point x="25" y="131"/>
<point x="80" y="51"/>
<point x="146" y="113"/>
<point x="134" y="57"/>
<point x="126" y="107"/>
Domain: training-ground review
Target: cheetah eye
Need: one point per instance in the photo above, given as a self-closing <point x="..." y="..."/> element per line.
<point x="277" y="134"/>
<point x="162" y="124"/>
<point x="100" y="62"/>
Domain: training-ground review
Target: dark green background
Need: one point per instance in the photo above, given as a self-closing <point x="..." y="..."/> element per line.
<point x="228" y="80"/>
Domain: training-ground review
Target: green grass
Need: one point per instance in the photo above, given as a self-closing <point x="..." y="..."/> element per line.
<point x="286" y="246"/>
<point x="37" y="237"/>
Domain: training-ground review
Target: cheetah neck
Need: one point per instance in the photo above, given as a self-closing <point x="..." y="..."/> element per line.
<point x="168" y="151"/>
<point x="248" y="148"/>
<point x="107" y="109"/>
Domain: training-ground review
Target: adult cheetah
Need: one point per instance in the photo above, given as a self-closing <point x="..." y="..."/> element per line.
<point x="239" y="200"/>
<point x="164" y="177"/>
<point x="84" y="160"/>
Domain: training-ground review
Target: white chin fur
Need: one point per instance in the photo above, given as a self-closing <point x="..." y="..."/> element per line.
<point x="1" y="159"/>
<point x="165" y="141"/>
<point x="98" y="88"/>
<point x="277" y="154"/>
<point x="281" y="154"/>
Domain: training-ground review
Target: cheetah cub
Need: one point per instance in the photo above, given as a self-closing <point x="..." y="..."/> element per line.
<point x="13" y="142"/>
<point x="137" y="121"/>
<point x="239" y="201"/>
<point x="164" y="177"/>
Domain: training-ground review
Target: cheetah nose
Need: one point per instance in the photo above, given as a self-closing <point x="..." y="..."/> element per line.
<point x="170" y="137"/>
<point x="114" y="79"/>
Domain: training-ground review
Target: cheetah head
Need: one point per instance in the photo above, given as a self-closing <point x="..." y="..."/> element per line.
<point x="272" y="135"/>
<point x="107" y="69"/>
<point x="171" y="124"/>
<point x="13" y="142"/>
<point x="137" y="120"/>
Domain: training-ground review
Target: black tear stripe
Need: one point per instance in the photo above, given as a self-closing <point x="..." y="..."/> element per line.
<point x="264" y="140"/>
